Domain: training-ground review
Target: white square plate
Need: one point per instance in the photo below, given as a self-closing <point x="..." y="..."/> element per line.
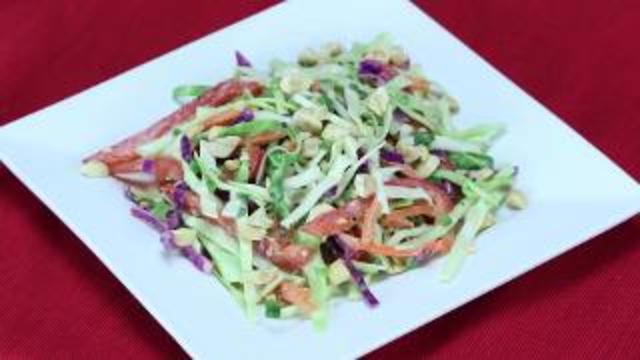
<point x="575" y="191"/>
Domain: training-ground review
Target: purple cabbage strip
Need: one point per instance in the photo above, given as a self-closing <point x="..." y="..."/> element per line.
<point x="400" y="116"/>
<point x="149" y="219"/>
<point x="245" y="115"/>
<point x="242" y="60"/>
<point x="179" y="194"/>
<point x="363" y="169"/>
<point x="168" y="240"/>
<point x="174" y="219"/>
<point x="331" y="192"/>
<point x="391" y="156"/>
<point x="346" y="254"/>
<point x="450" y="188"/>
<point x="186" y="148"/>
<point x="424" y="257"/>
<point x="147" y="166"/>
<point x="375" y="72"/>
<point x="370" y="67"/>
<point x="200" y="261"/>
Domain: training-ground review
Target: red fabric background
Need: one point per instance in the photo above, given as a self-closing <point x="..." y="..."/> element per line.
<point x="580" y="58"/>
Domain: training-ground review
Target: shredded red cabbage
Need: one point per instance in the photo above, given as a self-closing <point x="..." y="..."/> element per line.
<point x="375" y="72"/>
<point x="168" y="240"/>
<point x="331" y="192"/>
<point x="451" y="189"/>
<point x="400" y="116"/>
<point x="186" y="149"/>
<point x="370" y="67"/>
<point x="391" y="156"/>
<point x="147" y="166"/>
<point x="346" y="253"/>
<point x="149" y="219"/>
<point x="242" y="60"/>
<point x="174" y="219"/>
<point x="424" y="258"/>
<point x="200" y="261"/>
<point x="179" y="194"/>
<point x="245" y="115"/>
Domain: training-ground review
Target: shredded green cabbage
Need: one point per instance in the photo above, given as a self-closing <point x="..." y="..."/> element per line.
<point x="360" y="136"/>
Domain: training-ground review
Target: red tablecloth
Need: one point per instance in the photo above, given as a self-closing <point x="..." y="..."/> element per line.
<point x="580" y="58"/>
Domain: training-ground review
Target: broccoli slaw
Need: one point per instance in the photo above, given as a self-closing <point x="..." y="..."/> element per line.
<point x="314" y="179"/>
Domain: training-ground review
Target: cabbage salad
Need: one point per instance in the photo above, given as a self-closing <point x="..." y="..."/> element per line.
<point x="314" y="179"/>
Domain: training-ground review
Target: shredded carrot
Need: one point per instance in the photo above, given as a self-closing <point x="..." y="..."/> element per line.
<point x="439" y="246"/>
<point x="444" y="244"/>
<point x="369" y="221"/>
<point x="265" y="138"/>
<point x="338" y="220"/>
<point x="399" y="218"/>
<point x="256" y="153"/>
<point x="386" y="250"/>
<point x="442" y="202"/>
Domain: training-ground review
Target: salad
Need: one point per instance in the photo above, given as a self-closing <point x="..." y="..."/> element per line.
<point x="314" y="179"/>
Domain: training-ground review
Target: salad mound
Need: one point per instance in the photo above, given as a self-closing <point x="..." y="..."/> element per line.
<point x="314" y="179"/>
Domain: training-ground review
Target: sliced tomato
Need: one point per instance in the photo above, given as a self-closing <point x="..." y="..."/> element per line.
<point x="124" y="151"/>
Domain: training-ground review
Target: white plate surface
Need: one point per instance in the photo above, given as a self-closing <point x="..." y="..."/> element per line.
<point x="575" y="191"/>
